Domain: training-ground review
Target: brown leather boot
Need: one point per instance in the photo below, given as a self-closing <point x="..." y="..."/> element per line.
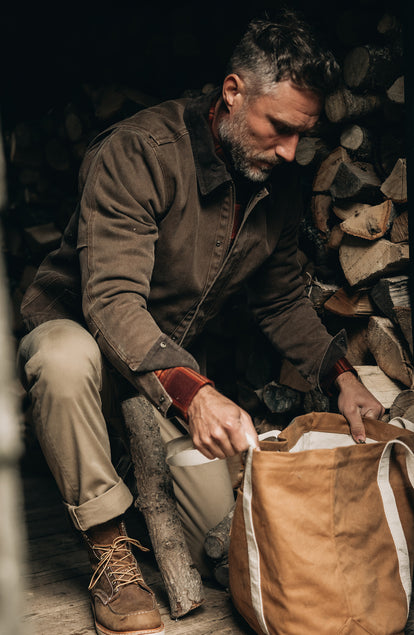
<point x="121" y="601"/>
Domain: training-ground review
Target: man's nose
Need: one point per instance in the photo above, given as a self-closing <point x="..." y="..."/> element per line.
<point x="286" y="147"/>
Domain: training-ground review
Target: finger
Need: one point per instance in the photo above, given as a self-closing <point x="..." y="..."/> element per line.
<point x="356" y="425"/>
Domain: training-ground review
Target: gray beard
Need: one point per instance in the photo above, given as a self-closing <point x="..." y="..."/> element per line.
<point x="234" y="140"/>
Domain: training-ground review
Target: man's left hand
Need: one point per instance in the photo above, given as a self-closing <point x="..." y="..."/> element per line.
<point x="355" y="402"/>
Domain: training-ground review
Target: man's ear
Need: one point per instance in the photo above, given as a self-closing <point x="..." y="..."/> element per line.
<point x="233" y="91"/>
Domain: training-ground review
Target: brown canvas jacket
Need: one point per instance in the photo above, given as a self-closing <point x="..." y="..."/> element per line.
<point x="149" y="252"/>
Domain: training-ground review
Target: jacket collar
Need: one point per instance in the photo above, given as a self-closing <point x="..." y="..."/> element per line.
<point x="211" y="170"/>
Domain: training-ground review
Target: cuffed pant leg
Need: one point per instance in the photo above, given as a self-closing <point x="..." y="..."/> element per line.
<point x="62" y="369"/>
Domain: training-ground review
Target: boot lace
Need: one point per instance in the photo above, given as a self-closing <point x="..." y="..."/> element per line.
<point x="119" y="557"/>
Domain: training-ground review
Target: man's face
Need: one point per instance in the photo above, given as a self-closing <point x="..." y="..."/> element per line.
<point x="260" y="133"/>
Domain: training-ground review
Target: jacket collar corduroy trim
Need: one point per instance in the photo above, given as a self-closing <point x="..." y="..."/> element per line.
<point x="211" y="170"/>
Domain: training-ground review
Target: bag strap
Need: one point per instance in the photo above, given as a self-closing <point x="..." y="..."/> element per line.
<point x="182" y="453"/>
<point x="391" y="510"/>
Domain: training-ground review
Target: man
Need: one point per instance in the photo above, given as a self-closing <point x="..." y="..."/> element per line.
<point x="180" y="207"/>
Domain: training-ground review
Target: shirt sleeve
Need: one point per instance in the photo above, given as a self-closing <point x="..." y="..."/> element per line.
<point x="182" y="384"/>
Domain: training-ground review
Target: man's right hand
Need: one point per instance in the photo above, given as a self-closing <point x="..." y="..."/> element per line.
<point x="218" y="426"/>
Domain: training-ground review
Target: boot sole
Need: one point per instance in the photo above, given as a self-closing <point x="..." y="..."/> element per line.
<point x="101" y="630"/>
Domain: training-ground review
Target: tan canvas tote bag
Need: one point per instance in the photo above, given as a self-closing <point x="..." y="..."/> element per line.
<point x="322" y="538"/>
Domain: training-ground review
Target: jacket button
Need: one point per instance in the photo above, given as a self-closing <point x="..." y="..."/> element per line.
<point x="218" y="243"/>
<point x="161" y="399"/>
<point x="163" y="345"/>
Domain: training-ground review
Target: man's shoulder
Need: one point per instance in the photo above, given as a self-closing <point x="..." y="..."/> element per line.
<point x="163" y="122"/>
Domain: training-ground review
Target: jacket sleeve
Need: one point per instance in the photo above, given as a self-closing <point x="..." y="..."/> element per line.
<point x="123" y="197"/>
<point x="286" y="315"/>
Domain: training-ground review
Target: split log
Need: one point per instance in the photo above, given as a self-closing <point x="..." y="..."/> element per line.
<point x="320" y="210"/>
<point x="389" y="26"/>
<point x="157" y="503"/>
<point x="358" y="352"/>
<point x="389" y="354"/>
<point x="344" y="209"/>
<point x="364" y="264"/>
<point x="370" y="223"/>
<point x="343" y="105"/>
<point x="395" y="186"/>
<point x="357" y="141"/>
<point x="310" y="150"/>
<point x="356" y="182"/>
<point x="350" y="303"/>
<point x="328" y="169"/>
<point x="379" y="384"/>
<point x="399" y="229"/>
<point x="403" y="317"/>
<point x="390" y="293"/>
<point x="370" y="68"/>
<point x="217" y="540"/>
<point x="395" y="93"/>
<point x="392" y="296"/>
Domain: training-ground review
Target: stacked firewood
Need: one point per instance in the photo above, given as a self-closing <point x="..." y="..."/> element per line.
<point x="354" y="238"/>
<point x="358" y="215"/>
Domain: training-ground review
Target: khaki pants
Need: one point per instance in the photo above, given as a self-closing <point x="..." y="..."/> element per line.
<point x="74" y="400"/>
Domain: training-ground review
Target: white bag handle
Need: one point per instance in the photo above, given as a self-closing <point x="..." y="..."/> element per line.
<point x="182" y="453"/>
<point x="391" y="510"/>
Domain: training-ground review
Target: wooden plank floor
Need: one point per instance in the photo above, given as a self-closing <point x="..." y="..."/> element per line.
<point x="58" y="574"/>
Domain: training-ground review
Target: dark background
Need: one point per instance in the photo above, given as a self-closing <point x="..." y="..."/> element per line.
<point x="47" y="52"/>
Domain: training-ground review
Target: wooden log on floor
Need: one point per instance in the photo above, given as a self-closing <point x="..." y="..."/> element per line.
<point x="356" y="182"/>
<point x="217" y="541"/>
<point x="388" y="351"/>
<point x="370" y="223"/>
<point x="363" y="262"/>
<point x="370" y="68"/>
<point x="395" y="186"/>
<point x="157" y="503"/>
<point x="344" y="105"/>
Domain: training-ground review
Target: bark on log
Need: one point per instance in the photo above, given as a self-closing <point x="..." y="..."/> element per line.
<point x="320" y="210"/>
<point x="389" y="354"/>
<point x="157" y="503"/>
<point x="364" y="264"/>
<point x="395" y="186"/>
<point x="343" y="105"/>
<point x="217" y="541"/>
<point x="371" y="223"/>
<point x="370" y="68"/>
<point x="356" y="182"/>
<point x="392" y="296"/>
<point x="279" y="398"/>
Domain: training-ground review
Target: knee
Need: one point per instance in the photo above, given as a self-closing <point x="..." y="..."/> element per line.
<point x="65" y="359"/>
